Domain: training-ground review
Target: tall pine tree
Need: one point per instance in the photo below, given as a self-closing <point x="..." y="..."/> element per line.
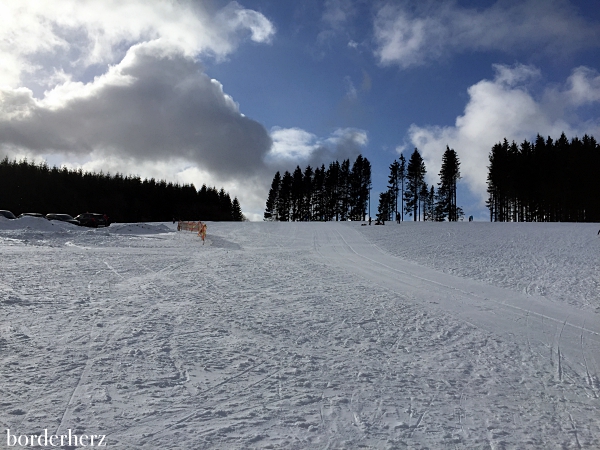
<point x="307" y="194"/>
<point x="385" y="207"/>
<point x="402" y="178"/>
<point x="271" y="206"/>
<point x="446" y="207"/>
<point x="297" y="194"/>
<point x="237" y="211"/>
<point x="284" y="199"/>
<point x="415" y="179"/>
<point x="394" y="184"/>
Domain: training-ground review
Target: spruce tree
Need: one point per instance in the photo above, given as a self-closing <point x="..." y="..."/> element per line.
<point x="394" y="184"/>
<point x="226" y="205"/>
<point x="236" y="210"/>
<point x="365" y="187"/>
<point x="271" y="206"/>
<point x="424" y="202"/>
<point x="446" y="195"/>
<point x="297" y="194"/>
<point x="355" y="189"/>
<point x="344" y="190"/>
<point x="415" y="178"/>
<point x="385" y="207"/>
<point x="332" y="191"/>
<point x="360" y="182"/>
<point x="402" y="178"/>
<point x="307" y="194"/>
<point x="431" y="201"/>
<point x="284" y="199"/>
<point x="319" y="194"/>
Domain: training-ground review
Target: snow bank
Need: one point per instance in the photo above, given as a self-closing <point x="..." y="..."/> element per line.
<point x="34" y="223"/>
<point x="41" y="224"/>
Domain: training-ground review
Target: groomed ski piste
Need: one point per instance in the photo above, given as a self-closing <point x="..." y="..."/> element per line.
<point x="302" y="335"/>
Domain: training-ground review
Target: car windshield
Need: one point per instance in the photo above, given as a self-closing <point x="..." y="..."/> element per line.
<point x="7" y="214"/>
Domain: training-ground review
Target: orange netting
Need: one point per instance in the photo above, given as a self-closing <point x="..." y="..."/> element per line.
<point x="189" y="226"/>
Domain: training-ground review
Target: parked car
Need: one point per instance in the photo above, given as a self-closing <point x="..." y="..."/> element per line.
<point x="32" y="215"/>
<point x="62" y="218"/>
<point x="7" y="214"/>
<point x="93" y="220"/>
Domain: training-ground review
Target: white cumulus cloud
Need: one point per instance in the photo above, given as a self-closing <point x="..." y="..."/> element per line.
<point x="505" y="108"/>
<point x="298" y="146"/>
<point x="36" y="37"/>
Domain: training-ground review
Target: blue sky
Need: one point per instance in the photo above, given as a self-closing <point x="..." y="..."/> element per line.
<point x="226" y="93"/>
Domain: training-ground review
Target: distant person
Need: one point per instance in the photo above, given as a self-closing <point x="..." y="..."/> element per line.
<point x="397" y="217"/>
<point x="370" y="222"/>
<point x="202" y="232"/>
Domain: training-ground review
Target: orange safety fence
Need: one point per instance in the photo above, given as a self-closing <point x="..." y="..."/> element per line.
<point x="189" y="226"/>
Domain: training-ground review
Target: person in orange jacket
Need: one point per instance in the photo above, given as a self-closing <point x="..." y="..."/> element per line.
<point x="202" y="232"/>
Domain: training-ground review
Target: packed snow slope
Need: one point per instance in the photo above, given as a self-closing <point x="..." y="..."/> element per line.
<point x="302" y="335"/>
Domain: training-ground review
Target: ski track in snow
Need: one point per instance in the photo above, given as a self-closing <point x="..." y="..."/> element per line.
<point x="558" y="260"/>
<point x="297" y="335"/>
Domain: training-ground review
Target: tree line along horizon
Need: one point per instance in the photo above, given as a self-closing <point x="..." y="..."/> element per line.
<point x="29" y="187"/>
<point x="540" y="181"/>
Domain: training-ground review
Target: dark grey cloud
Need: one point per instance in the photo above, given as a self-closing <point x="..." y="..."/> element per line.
<point x="153" y="106"/>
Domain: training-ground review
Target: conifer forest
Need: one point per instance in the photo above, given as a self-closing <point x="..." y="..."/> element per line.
<point x="543" y="181"/>
<point x="28" y="187"/>
<point x="336" y="192"/>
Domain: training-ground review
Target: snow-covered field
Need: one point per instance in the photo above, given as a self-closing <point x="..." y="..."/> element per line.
<point x="302" y="335"/>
